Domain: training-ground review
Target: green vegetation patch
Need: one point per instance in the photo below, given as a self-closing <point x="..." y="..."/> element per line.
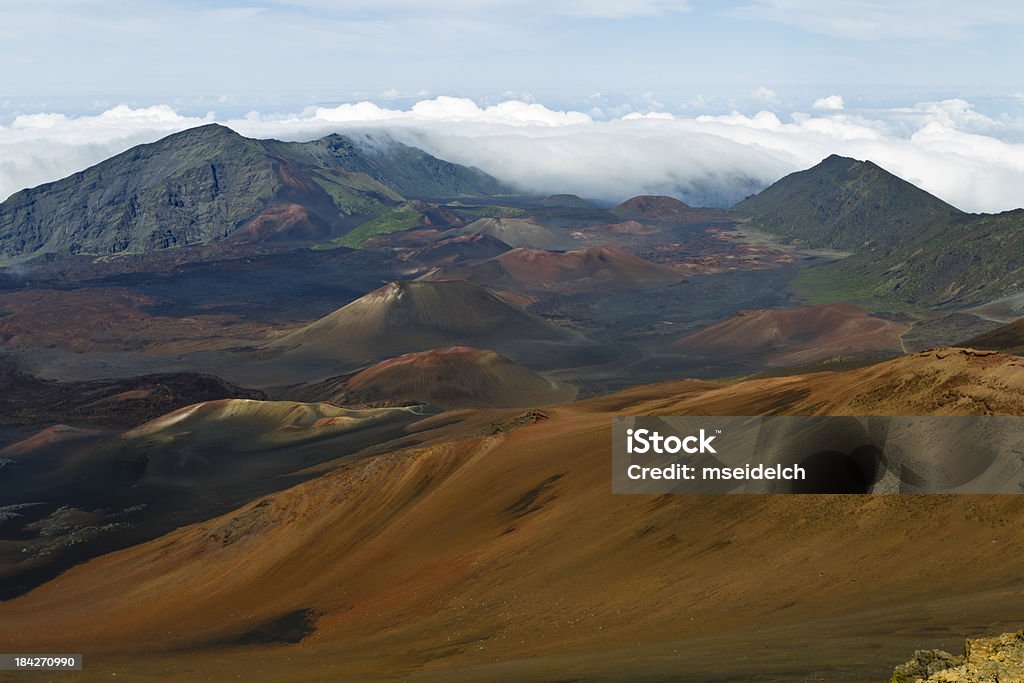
<point x="395" y="220"/>
<point x="495" y="211"/>
<point x="831" y="283"/>
<point x="356" y="194"/>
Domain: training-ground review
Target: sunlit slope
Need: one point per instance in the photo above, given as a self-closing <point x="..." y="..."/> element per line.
<point x="73" y="494"/>
<point x="244" y="424"/>
<point x="485" y="551"/>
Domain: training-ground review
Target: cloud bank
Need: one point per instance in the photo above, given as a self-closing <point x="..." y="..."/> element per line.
<point x="969" y="159"/>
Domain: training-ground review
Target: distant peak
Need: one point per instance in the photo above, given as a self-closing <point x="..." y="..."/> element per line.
<point x="205" y="132"/>
<point x="655" y="198"/>
<point x="834" y="163"/>
<point x="835" y="160"/>
<point x="647" y="200"/>
<point x="208" y="130"/>
<point x="337" y="139"/>
<point x="213" y="129"/>
<point x="657" y="207"/>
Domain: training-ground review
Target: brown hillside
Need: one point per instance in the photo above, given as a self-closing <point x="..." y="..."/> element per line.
<point x="404" y="317"/>
<point x="666" y="209"/>
<point x="459" y="249"/>
<point x="795" y="336"/>
<point x="455" y="377"/>
<point x="517" y="232"/>
<point x="599" y="266"/>
<point x="506" y="557"/>
<point x="1008" y="338"/>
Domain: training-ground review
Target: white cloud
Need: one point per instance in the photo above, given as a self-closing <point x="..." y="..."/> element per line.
<point x="830" y="102"/>
<point x="765" y="94"/>
<point x="452" y="109"/>
<point x="512" y="112"/>
<point x="948" y="148"/>
<point x="348" y="113"/>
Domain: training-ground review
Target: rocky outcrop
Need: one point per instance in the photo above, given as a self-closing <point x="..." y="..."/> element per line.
<point x="985" y="660"/>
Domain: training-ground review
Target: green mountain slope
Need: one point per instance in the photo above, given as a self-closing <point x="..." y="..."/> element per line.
<point x="210" y="183"/>
<point x="407" y="170"/>
<point x="909" y="247"/>
<point x="846" y="204"/>
<point x="969" y="260"/>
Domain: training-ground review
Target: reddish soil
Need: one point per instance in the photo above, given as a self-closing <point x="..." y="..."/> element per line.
<point x="404" y="317"/>
<point x="280" y="221"/>
<point x="592" y="267"/>
<point x="454" y="377"/>
<point x="113" y="319"/>
<point x="796" y="336"/>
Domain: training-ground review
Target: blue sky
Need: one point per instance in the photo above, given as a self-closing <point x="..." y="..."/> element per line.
<point x="86" y="55"/>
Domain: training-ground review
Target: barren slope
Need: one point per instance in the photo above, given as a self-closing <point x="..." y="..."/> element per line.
<point x="1008" y="338"/>
<point x="516" y="232"/>
<point x="453" y="377"/>
<point x="459" y="249"/>
<point x="404" y="317"/>
<point x="505" y="557"/>
<point x="794" y="336"/>
<point x="666" y="209"/>
<point x="70" y="494"/>
<point x="599" y="267"/>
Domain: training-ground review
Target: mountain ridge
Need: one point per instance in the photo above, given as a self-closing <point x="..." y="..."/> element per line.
<point x="843" y="203"/>
<point x="909" y="248"/>
<point x="211" y="183"/>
